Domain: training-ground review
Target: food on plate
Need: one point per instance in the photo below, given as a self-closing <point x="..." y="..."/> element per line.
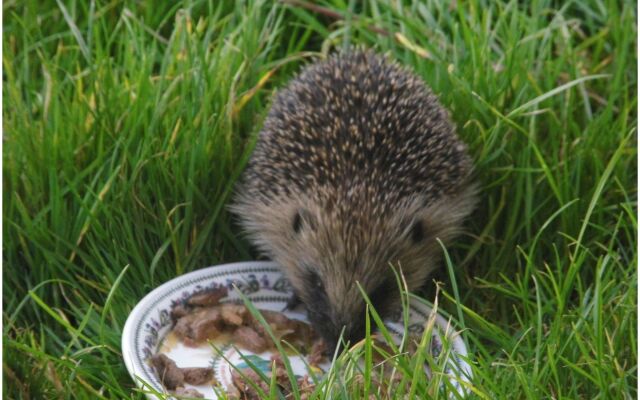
<point x="203" y="317"/>
<point x="244" y="389"/>
<point x="188" y="393"/>
<point x="197" y="376"/>
<point x="173" y="377"/>
<point x="168" y="372"/>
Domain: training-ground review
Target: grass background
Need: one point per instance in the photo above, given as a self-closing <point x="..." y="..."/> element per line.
<point x="126" y="123"/>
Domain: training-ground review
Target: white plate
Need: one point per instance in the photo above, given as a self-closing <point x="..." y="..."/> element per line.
<point x="146" y="330"/>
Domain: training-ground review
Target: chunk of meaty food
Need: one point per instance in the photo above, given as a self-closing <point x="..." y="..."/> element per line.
<point x="195" y="325"/>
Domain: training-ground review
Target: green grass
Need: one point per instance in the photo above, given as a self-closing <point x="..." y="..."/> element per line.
<point x="127" y="123"/>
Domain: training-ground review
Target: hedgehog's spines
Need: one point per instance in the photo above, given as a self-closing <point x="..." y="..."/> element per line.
<point x="362" y="106"/>
<point x="363" y="149"/>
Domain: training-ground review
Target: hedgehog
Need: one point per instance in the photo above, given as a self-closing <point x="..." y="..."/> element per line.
<point x="355" y="175"/>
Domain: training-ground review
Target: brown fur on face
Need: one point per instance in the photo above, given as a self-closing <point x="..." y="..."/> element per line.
<point x="331" y="250"/>
<point x="357" y="168"/>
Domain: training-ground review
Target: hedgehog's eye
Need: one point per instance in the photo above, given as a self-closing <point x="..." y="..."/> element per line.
<point x="302" y="218"/>
<point x="314" y="281"/>
<point x="297" y="223"/>
<point x="317" y="282"/>
<point x="417" y="232"/>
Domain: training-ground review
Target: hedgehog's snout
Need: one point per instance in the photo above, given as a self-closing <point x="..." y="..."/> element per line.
<point x="341" y="329"/>
<point x="352" y="331"/>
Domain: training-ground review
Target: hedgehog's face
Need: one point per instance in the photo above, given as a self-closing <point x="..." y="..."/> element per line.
<point x="327" y="252"/>
<point x="340" y="258"/>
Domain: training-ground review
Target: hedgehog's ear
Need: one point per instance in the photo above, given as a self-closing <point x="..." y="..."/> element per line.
<point x="302" y="219"/>
<point x="416" y="230"/>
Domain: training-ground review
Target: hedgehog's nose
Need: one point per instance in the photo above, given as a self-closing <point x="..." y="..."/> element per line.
<point x="353" y="334"/>
<point x="343" y="333"/>
<point x="330" y="345"/>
